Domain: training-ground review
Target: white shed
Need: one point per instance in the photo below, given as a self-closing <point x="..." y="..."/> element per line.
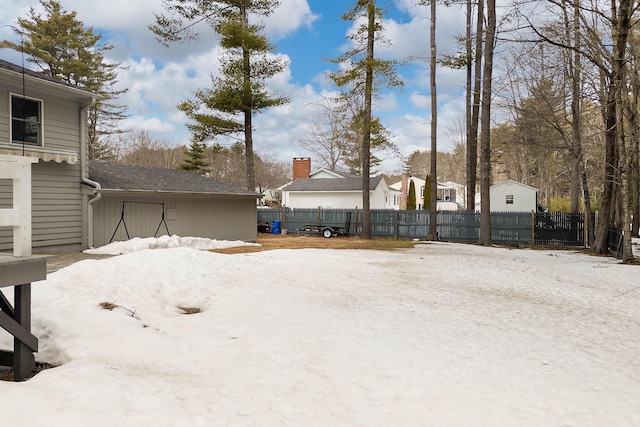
<point x="513" y="196"/>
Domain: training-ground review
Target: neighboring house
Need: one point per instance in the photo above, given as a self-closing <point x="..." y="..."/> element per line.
<point x="332" y="189"/>
<point x="44" y="119"/>
<point x="511" y="196"/>
<point x="453" y="192"/>
<point x="450" y="195"/>
<point x="148" y="201"/>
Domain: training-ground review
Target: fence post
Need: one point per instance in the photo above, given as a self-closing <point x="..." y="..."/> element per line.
<point x="395" y="223"/>
<point x="355" y="231"/>
<point x="284" y="216"/>
<point x="533" y="227"/>
<point x="585" y="226"/>
<point x="595" y="224"/>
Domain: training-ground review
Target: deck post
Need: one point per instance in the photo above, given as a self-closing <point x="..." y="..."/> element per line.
<point x="19" y="270"/>
<point x="23" y="360"/>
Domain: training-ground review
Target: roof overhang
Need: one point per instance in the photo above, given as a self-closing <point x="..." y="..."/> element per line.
<point x="178" y="193"/>
<point x="44" y="85"/>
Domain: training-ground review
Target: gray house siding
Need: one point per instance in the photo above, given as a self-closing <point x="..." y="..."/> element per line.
<point x="63" y="215"/>
<point x="62" y="124"/>
<point x="56" y="216"/>
<point x="56" y="206"/>
<point x="222" y="217"/>
<point x="4" y="112"/>
<point x="57" y="200"/>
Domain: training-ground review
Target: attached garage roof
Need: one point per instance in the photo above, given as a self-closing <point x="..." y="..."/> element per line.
<point x="331" y="184"/>
<point x="119" y="177"/>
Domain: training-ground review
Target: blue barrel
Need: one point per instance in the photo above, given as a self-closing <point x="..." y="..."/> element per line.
<point x="275" y="227"/>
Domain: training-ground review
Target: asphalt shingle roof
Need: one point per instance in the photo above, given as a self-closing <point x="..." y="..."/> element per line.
<point x="330" y="184"/>
<point x="36" y="74"/>
<point x="115" y="176"/>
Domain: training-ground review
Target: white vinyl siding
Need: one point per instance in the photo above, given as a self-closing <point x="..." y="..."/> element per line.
<point x="512" y="196"/>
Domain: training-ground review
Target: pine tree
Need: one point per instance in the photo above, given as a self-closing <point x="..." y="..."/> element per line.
<point x="246" y="64"/>
<point x="194" y="162"/>
<point x="59" y="45"/>
<point x="363" y="75"/>
<point x="411" y="197"/>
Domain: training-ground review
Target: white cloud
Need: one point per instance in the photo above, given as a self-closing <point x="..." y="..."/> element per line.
<point x="289" y="17"/>
<point x="420" y="100"/>
<point x="153" y="125"/>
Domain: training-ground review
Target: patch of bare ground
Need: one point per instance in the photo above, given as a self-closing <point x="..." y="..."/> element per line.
<point x="6" y="374"/>
<point x="303" y="241"/>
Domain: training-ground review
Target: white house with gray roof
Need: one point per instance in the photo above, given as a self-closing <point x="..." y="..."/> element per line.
<point x="511" y="196"/>
<point x="337" y="190"/>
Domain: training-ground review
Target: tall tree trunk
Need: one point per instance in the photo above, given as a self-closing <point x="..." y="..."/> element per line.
<point x="576" y="111"/>
<point x="366" y="140"/>
<point x="248" y="142"/>
<point x="579" y="171"/>
<point x="620" y="50"/>
<point x="616" y="175"/>
<point x="485" y="127"/>
<point x="634" y="136"/>
<point x="472" y="136"/>
<point x="634" y="178"/>
<point x="632" y="153"/>
<point x="248" y="113"/>
<point x="433" y="196"/>
<point x="468" y="97"/>
<point x="575" y="76"/>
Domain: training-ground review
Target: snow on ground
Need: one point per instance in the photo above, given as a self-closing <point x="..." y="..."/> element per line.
<point x="438" y="335"/>
<point x="164" y="242"/>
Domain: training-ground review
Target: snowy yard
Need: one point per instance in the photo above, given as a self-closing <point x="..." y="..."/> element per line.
<point x="439" y="335"/>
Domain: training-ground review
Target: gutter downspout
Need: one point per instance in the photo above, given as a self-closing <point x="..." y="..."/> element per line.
<point x="84" y="170"/>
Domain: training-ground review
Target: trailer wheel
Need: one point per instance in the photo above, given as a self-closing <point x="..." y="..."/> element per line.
<point x="327" y="232"/>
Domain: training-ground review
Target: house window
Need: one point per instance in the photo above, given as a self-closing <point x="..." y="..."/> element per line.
<point x="509" y="199"/>
<point x="26" y="120"/>
<point x="422" y="192"/>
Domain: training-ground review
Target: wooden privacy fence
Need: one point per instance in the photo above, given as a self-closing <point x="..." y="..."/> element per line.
<point x="526" y="228"/>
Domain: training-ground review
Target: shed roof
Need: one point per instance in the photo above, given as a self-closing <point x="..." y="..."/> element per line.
<point x="331" y="184"/>
<point x="510" y="181"/>
<point x="119" y="177"/>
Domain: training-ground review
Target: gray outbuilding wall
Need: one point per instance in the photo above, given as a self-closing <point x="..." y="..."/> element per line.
<point x="214" y="217"/>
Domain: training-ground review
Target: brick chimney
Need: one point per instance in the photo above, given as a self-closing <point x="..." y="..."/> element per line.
<point x="301" y="167"/>
<point x="404" y="190"/>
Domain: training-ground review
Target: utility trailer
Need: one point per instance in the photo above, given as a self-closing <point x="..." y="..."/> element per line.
<point x="328" y="231"/>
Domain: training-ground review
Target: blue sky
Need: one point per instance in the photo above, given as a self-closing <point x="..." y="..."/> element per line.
<point x="305" y="32"/>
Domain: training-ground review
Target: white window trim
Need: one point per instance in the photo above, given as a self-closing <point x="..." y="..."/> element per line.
<point x="41" y="104"/>
<point x="38" y="151"/>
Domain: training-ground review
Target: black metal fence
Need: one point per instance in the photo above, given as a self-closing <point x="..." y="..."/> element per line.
<point x="614" y="242"/>
<point x="525" y="228"/>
